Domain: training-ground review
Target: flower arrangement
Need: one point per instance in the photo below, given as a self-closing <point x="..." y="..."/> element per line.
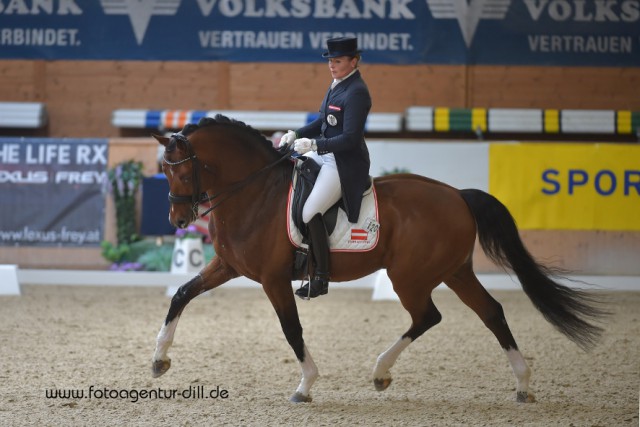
<point x="191" y="232"/>
<point x="132" y="253"/>
<point x="127" y="266"/>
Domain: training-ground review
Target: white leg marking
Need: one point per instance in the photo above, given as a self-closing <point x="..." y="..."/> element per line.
<point x="387" y="359"/>
<point x="309" y="374"/>
<point x="520" y="369"/>
<point x="165" y="339"/>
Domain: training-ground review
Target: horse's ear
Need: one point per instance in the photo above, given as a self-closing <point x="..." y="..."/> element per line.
<point x="161" y="139"/>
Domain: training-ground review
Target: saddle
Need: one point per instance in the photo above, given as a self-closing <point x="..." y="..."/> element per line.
<point x="305" y="176"/>
<point x="343" y="236"/>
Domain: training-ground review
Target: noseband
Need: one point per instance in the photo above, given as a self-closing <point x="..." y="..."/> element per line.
<point x="198" y="196"/>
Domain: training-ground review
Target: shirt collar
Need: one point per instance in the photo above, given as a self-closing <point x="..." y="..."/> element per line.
<point x="336" y="81"/>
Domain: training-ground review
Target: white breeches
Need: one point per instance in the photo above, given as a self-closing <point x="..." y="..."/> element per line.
<point x="327" y="189"/>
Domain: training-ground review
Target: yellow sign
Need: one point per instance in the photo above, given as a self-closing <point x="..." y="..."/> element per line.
<point x="568" y="186"/>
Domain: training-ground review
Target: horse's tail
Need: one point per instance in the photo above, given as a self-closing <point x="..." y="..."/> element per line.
<point x="568" y="310"/>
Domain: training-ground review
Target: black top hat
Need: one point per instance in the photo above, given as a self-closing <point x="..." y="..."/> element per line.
<point x="341" y="46"/>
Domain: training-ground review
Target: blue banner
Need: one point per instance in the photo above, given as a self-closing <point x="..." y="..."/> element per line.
<point x="517" y="32"/>
<point x="52" y="191"/>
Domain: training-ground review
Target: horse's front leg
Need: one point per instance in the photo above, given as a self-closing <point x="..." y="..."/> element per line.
<point x="281" y="297"/>
<point x="213" y="275"/>
<point x="309" y="376"/>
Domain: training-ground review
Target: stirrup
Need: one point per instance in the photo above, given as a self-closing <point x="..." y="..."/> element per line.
<point x="318" y="286"/>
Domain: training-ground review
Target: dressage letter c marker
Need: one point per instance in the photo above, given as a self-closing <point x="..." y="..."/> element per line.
<point x="177" y="259"/>
<point x="192" y="259"/>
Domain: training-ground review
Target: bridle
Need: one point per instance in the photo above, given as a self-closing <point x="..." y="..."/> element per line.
<point x="197" y="196"/>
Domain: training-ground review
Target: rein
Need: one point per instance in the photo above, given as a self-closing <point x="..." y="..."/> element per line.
<point x="198" y="197"/>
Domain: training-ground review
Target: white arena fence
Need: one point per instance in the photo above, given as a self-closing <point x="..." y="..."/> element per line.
<point x="377" y="282"/>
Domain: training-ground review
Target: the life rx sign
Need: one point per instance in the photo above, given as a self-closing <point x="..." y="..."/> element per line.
<point x="568" y="186"/>
<point x="188" y="256"/>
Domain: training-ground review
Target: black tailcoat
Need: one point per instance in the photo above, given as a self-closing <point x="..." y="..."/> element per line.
<point x="339" y="129"/>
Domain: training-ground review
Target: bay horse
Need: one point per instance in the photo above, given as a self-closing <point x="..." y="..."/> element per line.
<point x="426" y="236"/>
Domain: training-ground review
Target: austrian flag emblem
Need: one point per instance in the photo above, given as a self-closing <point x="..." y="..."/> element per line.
<point x="359" y="234"/>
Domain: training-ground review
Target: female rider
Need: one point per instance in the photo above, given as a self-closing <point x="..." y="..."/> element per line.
<point x="335" y="140"/>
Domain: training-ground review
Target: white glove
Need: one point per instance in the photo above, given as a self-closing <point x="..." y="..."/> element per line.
<point x="287" y="139"/>
<point x="304" y="145"/>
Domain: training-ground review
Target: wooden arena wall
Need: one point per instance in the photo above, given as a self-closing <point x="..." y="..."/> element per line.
<point x="80" y="96"/>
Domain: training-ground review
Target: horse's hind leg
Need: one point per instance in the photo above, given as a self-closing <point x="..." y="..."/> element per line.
<point x="213" y="275"/>
<point x="467" y="286"/>
<point x="424" y="315"/>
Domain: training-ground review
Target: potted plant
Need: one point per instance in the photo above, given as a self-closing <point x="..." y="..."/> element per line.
<point x="123" y="182"/>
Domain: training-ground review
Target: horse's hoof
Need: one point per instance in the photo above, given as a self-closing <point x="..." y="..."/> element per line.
<point x="159" y="367"/>
<point x="381" y="384"/>
<point x="525" y="397"/>
<point x="300" y="398"/>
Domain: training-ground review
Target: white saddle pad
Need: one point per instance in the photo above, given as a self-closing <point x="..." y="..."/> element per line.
<point x="346" y="237"/>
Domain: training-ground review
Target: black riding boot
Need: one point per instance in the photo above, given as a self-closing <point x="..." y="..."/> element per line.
<point x="319" y="285"/>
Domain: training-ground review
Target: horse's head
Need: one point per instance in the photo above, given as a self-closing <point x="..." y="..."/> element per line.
<point x="182" y="169"/>
<point x="233" y="154"/>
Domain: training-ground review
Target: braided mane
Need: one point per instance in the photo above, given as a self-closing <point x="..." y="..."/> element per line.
<point x="220" y="119"/>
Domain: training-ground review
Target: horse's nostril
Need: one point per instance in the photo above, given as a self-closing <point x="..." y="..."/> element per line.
<point x="182" y="223"/>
